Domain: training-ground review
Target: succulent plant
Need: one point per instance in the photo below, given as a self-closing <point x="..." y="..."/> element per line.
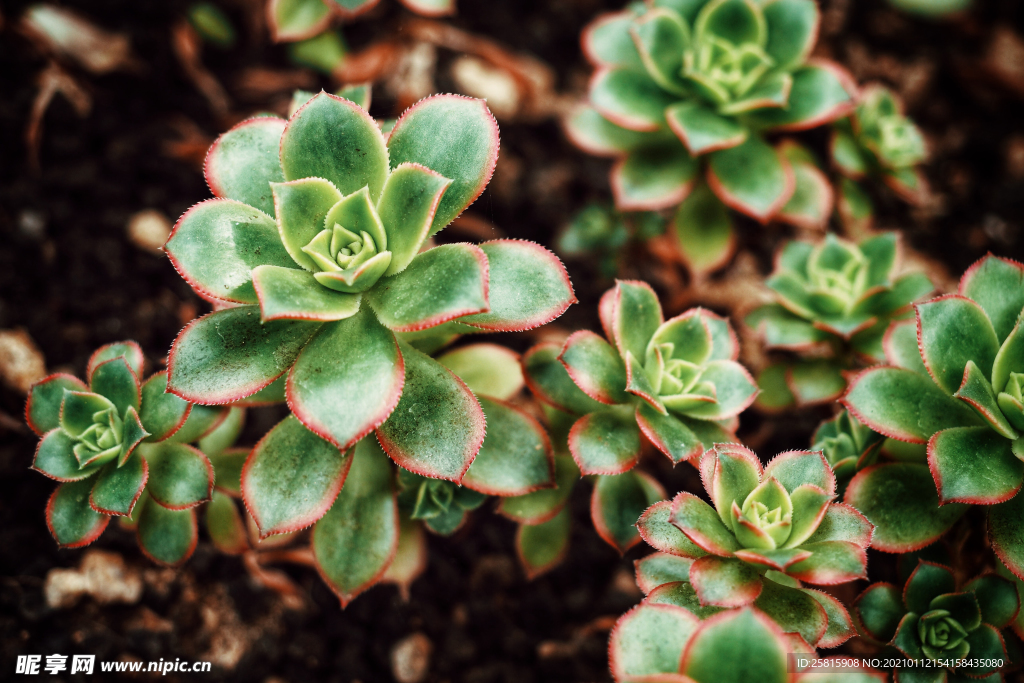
<point x="879" y="141"/>
<point x="659" y="640"/>
<point x="675" y="381"/>
<point x="683" y="85"/>
<point x="952" y="383"/>
<point x="116" y="442"/>
<point x="929" y="619"/>
<point x="313" y="250"/>
<point x="779" y="517"/>
<point x="848" y="446"/>
<point x="600" y="232"/>
<point x="835" y="300"/>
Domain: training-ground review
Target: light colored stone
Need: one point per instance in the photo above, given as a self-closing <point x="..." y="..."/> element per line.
<point x="21" y="363"/>
<point x="148" y="230"/>
<point x="479" y="79"/>
<point x="410" y="658"/>
<point x="101" y="575"/>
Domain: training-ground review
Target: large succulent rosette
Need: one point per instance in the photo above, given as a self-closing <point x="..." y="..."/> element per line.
<point x="953" y="387"/>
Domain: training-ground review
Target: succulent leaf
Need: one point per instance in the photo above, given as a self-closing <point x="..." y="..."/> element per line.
<point x="441" y="284"/>
<point x="167" y="536"/>
<point x="356" y="540"/>
<point x="649" y="640"/>
<point x="515" y="458"/>
<point x="456" y="137"/>
<point x="616" y="504"/>
<point x="543" y="546"/>
<point x="334" y="139"/>
<point x="242" y="162"/>
<point x="73" y="523"/>
<point x="438" y="426"/>
<point x="347" y="380"/>
<point x="527" y="287"/>
<point x="292" y="478"/>
<point x="180" y="476"/>
<point x="230" y="354"/>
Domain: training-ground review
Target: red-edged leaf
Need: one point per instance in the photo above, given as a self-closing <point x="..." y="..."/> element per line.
<point x="118" y="488"/>
<point x="527" y="287"/>
<point x="595" y="367"/>
<point x="616" y="504"/>
<point x="656" y="529"/>
<point x="550" y="383"/>
<point x="230" y="354"/>
<point x="347" y="380"/>
<point x="702" y="525"/>
<point x="606" y="441"/>
<point x="180" y="476"/>
<point x="410" y="558"/>
<point x="167" y="537"/>
<point x="71" y="520"/>
<point x="647" y="642"/>
<point x="356" y="541"/>
<point x="131" y="351"/>
<point x="711" y="654"/>
<point x="542" y="547"/>
<point x="515" y="458"/>
<point x="455" y="136"/>
<point x="438" y="426"/>
<point x="831" y="562"/>
<point x="291" y="478"/>
<point x="724" y="582"/>
<point x="42" y="410"/>
<point x="242" y="162"/>
<point x="658" y="569"/>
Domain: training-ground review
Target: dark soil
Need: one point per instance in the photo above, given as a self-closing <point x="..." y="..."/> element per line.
<point x="70" y="277"/>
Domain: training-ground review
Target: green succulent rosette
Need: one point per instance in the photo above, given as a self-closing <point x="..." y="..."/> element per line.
<point x="929" y="619"/>
<point x="848" y="446"/>
<point x="682" y="94"/>
<point x="951" y="386"/>
<point x="835" y="300"/>
<point x="879" y="141"/>
<point x="676" y="381"/>
<point x="119" y="447"/>
<point x="779" y="517"/>
<point x="683" y="396"/>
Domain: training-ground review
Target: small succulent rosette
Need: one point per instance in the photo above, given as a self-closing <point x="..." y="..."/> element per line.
<point x="677" y="383"/>
<point x="778" y="517"/>
<point x="600" y="232"/>
<point x="119" y="447"/>
<point x="658" y="641"/>
<point x="666" y="577"/>
<point x="952" y="388"/>
<point x="681" y="83"/>
<point x="848" y="446"/>
<point x="879" y="141"/>
<point x="929" y="620"/>
<point x="834" y="300"/>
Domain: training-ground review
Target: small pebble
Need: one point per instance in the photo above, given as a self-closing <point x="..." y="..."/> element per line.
<point x="21" y="363"/>
<point x="410" y="658"/>
<point x="148" y="230"/>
